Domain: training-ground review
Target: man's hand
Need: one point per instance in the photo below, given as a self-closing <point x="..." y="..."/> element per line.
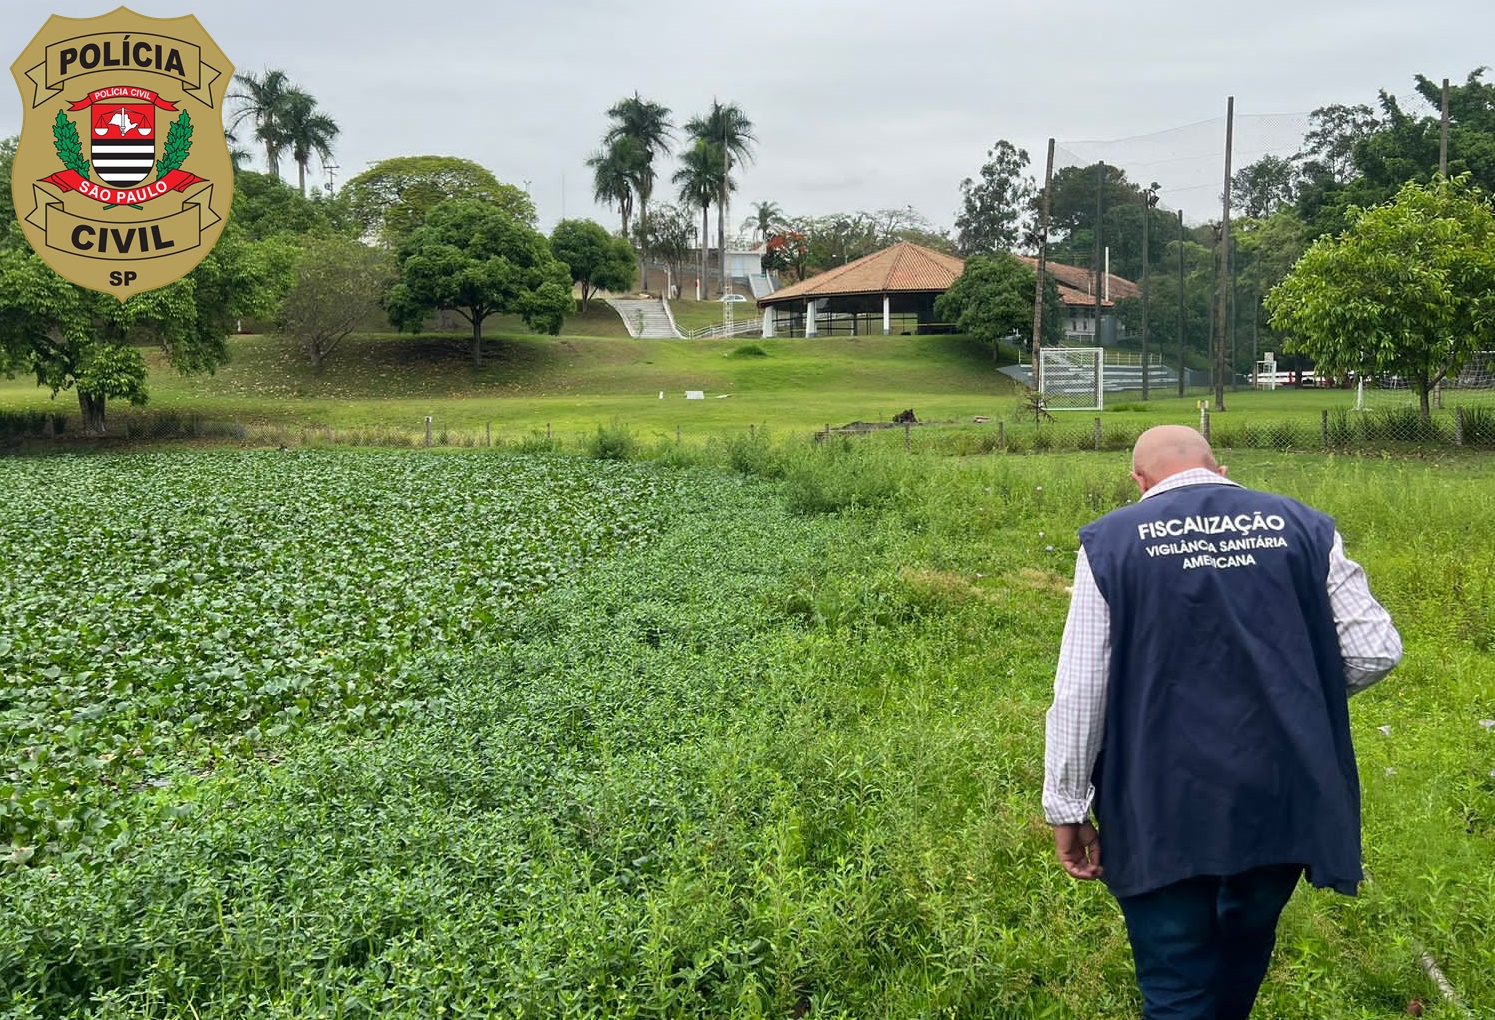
<point x="1078" y="847"/>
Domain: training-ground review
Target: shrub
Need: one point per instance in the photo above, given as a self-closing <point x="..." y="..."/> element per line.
<point x="612" y="442"/>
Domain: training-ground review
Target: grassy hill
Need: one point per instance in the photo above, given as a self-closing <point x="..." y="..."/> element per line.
<point x="577" y="382"/>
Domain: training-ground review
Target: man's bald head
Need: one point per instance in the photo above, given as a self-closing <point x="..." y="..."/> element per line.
<point x="1166" y="450"/>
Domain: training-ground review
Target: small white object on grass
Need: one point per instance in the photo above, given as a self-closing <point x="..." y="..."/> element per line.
<point x="695" y="394"/>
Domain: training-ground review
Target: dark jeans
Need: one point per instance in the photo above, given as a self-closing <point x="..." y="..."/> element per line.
<point x="1202" y="945"/>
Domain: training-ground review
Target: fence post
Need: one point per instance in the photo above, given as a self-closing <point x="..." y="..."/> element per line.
<point x="1097" y="433"/>
<point x="1204" y="424"/>
<point x="547" y="432"/>
<point x="1002" y="435"/>
<point x="677" y="435"/>
<point x="908" y="443"/>
<point x="490" y="433"/>
<point x="752" y="431"/>
<point x="1324" y="427"/>
<point x="1458" y="425"/>
<point x="428" y="430"/>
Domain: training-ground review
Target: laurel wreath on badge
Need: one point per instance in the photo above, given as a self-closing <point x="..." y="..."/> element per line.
<point x="178" y="144"/>
<point x="70" y="149"/>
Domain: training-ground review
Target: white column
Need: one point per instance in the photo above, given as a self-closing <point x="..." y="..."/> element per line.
<point x="810" y="308"/>
<point x="768" y="322"/>
<point x="887" y="314"/>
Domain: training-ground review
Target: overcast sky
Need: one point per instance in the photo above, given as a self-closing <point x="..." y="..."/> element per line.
<point x="857" y="105"/>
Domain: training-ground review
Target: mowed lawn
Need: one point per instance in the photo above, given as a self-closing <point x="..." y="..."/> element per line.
<point x="593" y="377"/>
<point x="578" y="382"/>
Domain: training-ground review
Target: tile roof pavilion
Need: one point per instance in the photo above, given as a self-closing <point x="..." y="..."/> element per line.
<point x="905" y="268"/>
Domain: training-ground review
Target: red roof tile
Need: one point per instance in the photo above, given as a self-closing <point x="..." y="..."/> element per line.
<point x="905" y="267"/>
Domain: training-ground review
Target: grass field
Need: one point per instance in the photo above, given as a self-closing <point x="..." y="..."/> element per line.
<point x="576" y="383"/>
<point x="756" y="732"/>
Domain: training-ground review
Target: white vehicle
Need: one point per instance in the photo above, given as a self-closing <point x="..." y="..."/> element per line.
<point x="733" y="297"/>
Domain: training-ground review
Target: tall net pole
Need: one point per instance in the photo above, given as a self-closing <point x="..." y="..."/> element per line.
<point x="1100" y="190"/>
<point x="1181" y="366"/>
<point x="1224" y="278"/>
<point x="1043" y="261"/>
<point x="1149" y="199"/>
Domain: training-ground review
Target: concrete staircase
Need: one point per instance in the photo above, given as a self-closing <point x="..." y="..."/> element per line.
<point x="646" y="319"/>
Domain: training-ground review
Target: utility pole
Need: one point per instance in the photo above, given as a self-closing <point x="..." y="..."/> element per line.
<point x="1224" y="263"/>
<point x="1149" y="199"/>
<point x="1181" y="368"/>
<point x="1043" y="261"/>
<point x="1100" y="187"/>
<point x="1443" y="136"/>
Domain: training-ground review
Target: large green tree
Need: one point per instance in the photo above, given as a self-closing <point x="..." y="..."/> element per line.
<point x="993" y="300"/>
<point x="477" y="259"/>
<point x="266" y="206"/>
<point x="994" y="208"/>
<point x="70" y="337"/>
<point x="1261" y="188"/>
<point x="392" y="198"/>
<point x="340" y="284"/>
<point x="598" y="260"/>
<point x="1072" y="219"/>
<point x="726" y="127"/>
<point x="1408" y="289"/>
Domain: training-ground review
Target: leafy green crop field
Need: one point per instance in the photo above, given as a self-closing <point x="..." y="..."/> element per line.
<point x="154" y="607"/>
<point x="592" y="739"/>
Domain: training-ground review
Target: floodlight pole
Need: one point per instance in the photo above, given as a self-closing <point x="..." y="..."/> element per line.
<point x="1149" y="199"/>
<point x="1181" y="363"/>
<point x="1043" y="261"/>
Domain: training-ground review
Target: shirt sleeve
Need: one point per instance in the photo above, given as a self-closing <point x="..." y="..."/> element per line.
<point x="1368" y="641"/>
<point x="1076" y="720"/>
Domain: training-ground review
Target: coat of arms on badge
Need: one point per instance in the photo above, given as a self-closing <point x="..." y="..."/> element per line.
<point x="122" y="179"/>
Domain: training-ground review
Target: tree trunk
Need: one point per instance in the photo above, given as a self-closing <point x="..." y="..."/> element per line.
<point x="301" y="176"/>
<point x="643" y="247"/>
<point x="705" y="240"/>
<point x="477" y="341"/>
<point x="721" y="239"/>
<point x="91" y="408"/>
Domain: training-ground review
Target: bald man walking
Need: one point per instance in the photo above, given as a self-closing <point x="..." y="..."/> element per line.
<point x="1200" y="727"/>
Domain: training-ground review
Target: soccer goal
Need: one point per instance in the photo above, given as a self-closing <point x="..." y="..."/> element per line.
<point x="1072" y="378"/>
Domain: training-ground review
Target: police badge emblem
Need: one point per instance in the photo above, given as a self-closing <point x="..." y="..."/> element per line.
<point x="146" y="198"/>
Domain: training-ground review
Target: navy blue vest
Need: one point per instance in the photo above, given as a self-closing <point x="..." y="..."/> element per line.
<point x="1227" y="736"/>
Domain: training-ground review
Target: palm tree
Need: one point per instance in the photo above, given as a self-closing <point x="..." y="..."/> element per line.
<point x="263" y="101"/>
<point x="614" y="170"/>
<point x="766" y="216"/>
<point x="727" y="127"/>
<point x="307" y="131"/>
<point x="700" y="182"/>
<point x="647" y="125"/>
